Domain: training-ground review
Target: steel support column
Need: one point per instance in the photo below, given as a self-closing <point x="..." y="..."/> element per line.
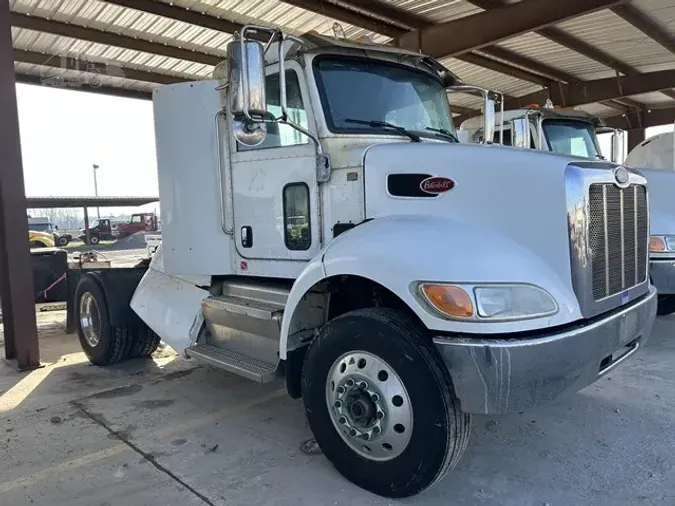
<point x="16" y="275"/>
<point x="635" y="137"/>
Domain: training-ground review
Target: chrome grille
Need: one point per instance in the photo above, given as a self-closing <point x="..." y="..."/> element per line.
<point x="618" y="230"/>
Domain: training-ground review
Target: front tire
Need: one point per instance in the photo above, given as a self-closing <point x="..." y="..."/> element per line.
<point x="62" y="241"/>
<point x="103" y="343"/>
<point x="381" y="404"/>
<point x="94" y="240"/>
<point x="666" y="305"/>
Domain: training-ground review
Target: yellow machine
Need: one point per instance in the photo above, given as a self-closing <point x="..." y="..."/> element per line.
<point x="40" y="239"/>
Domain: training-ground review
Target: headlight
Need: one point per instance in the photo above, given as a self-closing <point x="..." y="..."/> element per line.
<point x="506" y="302"/>
<point x="661" y="243"/>
<point x="489" y="302"/>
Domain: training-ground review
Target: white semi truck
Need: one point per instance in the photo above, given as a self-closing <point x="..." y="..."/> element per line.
<point x="658" y="154"/>
<point x="574" y="132"/>
<point x="322" y="225"/>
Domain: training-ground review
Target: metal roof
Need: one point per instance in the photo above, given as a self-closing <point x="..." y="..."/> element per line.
<point x="135" y="45"/>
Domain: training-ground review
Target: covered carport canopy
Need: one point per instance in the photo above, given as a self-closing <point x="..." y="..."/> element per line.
<point x="613" y="58"/>
<point x="84" y="202"/>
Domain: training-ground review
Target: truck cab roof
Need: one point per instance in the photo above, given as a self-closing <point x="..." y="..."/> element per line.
<point x="547" y="113"/>
<point x="315" y="43"/>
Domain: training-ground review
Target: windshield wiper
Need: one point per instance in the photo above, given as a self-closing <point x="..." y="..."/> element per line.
<point x="444" y="132"/>
<point x="383" y="124"/>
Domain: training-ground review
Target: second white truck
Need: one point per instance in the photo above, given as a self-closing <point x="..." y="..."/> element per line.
<point x="323" y="226"/>
<point x="575" y="133"/>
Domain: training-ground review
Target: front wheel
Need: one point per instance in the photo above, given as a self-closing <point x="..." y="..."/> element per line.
<point x="381" y="404"/>
<point x="62" y="241"/>
<point x="666" y="305"/>
<point x="94" y="240"/>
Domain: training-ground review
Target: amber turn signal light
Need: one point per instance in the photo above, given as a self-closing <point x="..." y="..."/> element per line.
<point x="657" y="243"/>
<point x="449" y="299"/>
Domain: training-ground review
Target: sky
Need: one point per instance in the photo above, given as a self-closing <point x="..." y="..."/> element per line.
<point x="64" y="132"/>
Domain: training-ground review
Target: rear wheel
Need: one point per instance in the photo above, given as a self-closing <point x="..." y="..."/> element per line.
<point x="666" y="305"/>
<point x="103" y="343"/>
<point x="381" y="403"/>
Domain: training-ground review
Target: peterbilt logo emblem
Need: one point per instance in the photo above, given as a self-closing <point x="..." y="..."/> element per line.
<point x="621" y="176"/>
<point x="436" y="185"/>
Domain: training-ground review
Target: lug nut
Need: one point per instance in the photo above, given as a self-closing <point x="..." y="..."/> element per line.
<point x="363" y="385"/>
<point x="342" y="420"/>
<point x="380" y="415"/>
<point x="375" y="397"/>
<point x="340" y="390"/>
<point x="366" y="436"/>
<point x="350" y="382"/>
<point x="376" y="430"/>
<point x="338" y="404"/>
<point x="352" y="432"/>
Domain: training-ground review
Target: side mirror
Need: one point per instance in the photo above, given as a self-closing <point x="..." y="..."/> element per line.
<point x="248" y="96"/>
<point x="489" y="121"/>
<point x="520" y="133"/>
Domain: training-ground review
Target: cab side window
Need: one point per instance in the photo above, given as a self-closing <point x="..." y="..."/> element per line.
<point x="278" y="134"/>
<point x="297" y="226"/>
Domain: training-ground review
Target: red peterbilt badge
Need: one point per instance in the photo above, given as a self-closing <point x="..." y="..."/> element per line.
<point x="437" y="184"/>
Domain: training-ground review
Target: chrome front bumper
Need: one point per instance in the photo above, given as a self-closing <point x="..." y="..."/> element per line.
<point x="662" y="273"/>
<point x="509" y="375"/>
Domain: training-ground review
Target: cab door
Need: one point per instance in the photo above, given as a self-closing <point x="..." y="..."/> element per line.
<point x="275" y="192"/>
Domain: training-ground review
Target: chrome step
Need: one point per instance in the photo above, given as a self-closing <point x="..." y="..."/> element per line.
<point x="261" y="310"/>
<point x="234" y="362"/>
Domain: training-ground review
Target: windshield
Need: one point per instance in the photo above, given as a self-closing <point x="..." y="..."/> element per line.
<point x="40" y="227"/>
<point x="575" y="138"/>
<point x="367" y="90"/>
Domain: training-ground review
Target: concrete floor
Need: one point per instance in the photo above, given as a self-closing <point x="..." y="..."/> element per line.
<point x="169" y="431"/>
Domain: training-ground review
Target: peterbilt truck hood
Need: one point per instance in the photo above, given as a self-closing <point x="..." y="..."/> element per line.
<point x="516" y="194"/>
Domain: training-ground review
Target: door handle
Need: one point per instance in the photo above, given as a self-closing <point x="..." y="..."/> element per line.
<point x="246" y="236"/>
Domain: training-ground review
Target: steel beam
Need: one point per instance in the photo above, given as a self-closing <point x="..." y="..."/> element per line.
<point x="103" y="90"/>
<point x="649" y="27"/>
<point x="335" y="11"/>
<point x="96" y="68"/>
<point x="528" y="63"/>
<point x="75" y="31"/>
<point x="16" y="274"/>
<point x="598" y="90"/>
<point x="185" y="15"/>
<point x="478" y="30"/>
<point x="579" y="46"/>
<point x="504" y="68"/>
<point x="635" y="137"/>
<point x="642" y="119"/>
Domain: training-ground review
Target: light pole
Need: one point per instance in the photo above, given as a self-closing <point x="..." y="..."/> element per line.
<point x="98" y="211"/>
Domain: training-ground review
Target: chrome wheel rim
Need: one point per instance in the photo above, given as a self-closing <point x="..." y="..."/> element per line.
<point x="369" y="405"/>
<point x="90" y="319"/>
